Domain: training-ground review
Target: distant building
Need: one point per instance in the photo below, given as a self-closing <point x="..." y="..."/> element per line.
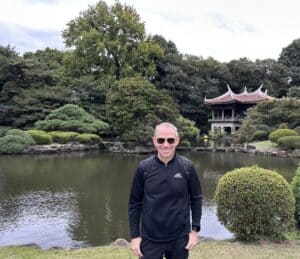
<point x="229" y="108"/>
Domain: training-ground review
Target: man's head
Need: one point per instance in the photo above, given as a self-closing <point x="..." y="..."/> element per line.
<point x="165" y="140"/>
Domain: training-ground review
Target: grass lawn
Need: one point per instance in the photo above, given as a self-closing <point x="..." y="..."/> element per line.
<point x="205" y="249"/>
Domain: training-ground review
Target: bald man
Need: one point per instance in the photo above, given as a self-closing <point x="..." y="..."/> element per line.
<point x="164" y="190"/>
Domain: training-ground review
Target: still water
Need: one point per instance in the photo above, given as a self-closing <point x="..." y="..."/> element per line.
<point x="80" y="199"/>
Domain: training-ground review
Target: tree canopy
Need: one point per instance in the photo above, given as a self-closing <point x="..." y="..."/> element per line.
<point x="110" y="41"/>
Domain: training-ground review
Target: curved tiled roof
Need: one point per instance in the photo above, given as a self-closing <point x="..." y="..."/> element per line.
<point x="244" y="97"/>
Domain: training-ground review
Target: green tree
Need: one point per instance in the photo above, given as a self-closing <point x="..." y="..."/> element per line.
<point x="109" y="41"/>
<point x="71" y="117"/>
<point x="135" y="106"/>
<point x="270" y="113"/>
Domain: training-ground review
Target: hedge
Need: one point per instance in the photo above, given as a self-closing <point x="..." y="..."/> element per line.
<point x="290" y="142"/>
<point x="296" y="191"/>
<point x="63" y="137"/>
<point x="254" y="202"/>
<point x="12" y="144"/>
<point x="40" y="137"/>
<point x="88" y="138"/>
<point x="277" y="134"/>
<point x="27" y="139"/>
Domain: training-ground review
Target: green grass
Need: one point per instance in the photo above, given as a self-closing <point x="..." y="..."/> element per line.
<point x="205" y="249"/>
<point x="266" y="145"/>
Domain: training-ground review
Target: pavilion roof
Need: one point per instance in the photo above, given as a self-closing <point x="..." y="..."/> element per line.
<point x="244" y="97"/>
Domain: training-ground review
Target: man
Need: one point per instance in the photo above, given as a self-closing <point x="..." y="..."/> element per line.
<point x="164" y="189"/>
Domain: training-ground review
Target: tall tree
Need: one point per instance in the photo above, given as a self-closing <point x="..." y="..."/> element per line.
<point x="135" y="106"/>
<point x="110" y="41"/>
<point x="290" y="57"/>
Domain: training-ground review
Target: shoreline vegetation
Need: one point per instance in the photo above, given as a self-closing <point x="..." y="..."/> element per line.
<point x="259" y="148"/>
<point x="205" y="249"/>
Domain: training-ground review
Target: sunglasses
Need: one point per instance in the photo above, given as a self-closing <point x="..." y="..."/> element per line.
<point x="162" y="140"/>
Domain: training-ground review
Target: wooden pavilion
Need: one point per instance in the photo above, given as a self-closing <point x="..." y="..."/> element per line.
<point x="229" y="108"/>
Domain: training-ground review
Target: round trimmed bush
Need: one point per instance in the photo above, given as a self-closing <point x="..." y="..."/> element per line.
<point x="289" y="142"/>
<point x="253" y="202"/>
<point x="88" y="138"/>
<point x="12" y="144"/>
<point x="27" y="139"/>
<point x="63" y="137"/>
<point x="40" y="137"/>
<point x="279" y="133"/>
<point x="296" y="191"/>
<point x="260" y="135"/>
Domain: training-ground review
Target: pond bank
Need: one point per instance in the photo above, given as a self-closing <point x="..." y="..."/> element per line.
<point x="132" y="148"/>
<point x="207" y="249"/>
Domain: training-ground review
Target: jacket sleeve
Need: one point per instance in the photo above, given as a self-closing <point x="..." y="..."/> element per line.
<point x="195" y="197"/>
<point x="135" y="203"/>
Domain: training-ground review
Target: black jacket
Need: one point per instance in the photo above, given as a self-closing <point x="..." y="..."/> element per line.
<point x="161" y="197"/>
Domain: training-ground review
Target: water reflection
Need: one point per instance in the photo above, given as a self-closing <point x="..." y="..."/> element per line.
<point x="81" y="199"/>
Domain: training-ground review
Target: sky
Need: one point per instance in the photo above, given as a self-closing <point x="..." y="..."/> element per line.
<point x="224" y="30"/>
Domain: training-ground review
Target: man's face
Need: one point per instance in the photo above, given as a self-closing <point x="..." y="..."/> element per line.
<point x="165" y="141"/>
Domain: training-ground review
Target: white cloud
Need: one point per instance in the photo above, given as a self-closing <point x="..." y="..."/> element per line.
<point x="225" y="30"/>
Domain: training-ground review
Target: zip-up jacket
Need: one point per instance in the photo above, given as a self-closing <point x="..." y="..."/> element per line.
<point x="161" y="198"/>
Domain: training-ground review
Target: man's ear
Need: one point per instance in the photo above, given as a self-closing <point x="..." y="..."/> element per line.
<point x="177" y="140"/>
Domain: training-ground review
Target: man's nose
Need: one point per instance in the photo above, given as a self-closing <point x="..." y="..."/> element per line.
<point x="166" y="144"/>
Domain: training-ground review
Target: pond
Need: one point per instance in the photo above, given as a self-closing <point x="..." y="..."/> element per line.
<point x="80" y="199"/>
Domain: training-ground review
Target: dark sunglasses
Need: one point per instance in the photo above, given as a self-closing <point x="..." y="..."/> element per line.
<point x="162" y="140"/>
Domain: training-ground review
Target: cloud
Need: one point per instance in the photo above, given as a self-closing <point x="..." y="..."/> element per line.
<point x="223" y="22"/>
<point x="27" y="39"/>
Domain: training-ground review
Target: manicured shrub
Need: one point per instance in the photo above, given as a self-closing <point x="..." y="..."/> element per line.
<point x="27" y="139"/>
<point x="88" y="138"/>
<point x="264" y="127"/>
<point x="253" y="202"/>
<point x="63" y="137"/>
<point x="3" y="130"/>
<point x="296" y="191"/>
<point x="277" y="134"/>
<point x="71" y="117"/>
<point x="40" y="137"/>
<point x="185" y="143"/>
<point x="12" y="144"/>
<point x="289" y="142"/>
<point x="260" y="135"/>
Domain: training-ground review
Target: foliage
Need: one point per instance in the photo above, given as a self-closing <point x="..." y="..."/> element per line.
<point x="187" y="129"/>
<point x="63" y="137"/>
<point x="289" y="142"/>
<point x="184" y="143"/>
<point x="290" y="56"/>
<point x="272" y="114"/>
<point x="260" y="135"/>
<point x="27" y="139"/>
<point x="296" y="191"/>
<point x="15" y="141"/>
<point x="135" y="106"/>
<point x="40" y="137"/>
<point x="3" y="130"/>
<point x="279" y="133"/>
<point x="254" y="202"/>
<point x="71" y="117"/>
<point x="88" y="138"/>
<point x="110" y="41"/>
<point x="297" y="129"/>
<point x="265" y="128"/>
<point x="294" y="91"/>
